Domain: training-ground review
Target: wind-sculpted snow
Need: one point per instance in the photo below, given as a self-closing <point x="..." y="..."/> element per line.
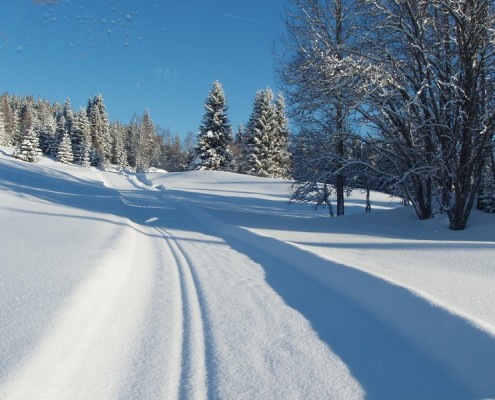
<point x="210" y="285"/>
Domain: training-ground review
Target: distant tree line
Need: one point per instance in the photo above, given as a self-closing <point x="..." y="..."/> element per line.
<point x="397" y="96"/>
<point x="87" y="137"/>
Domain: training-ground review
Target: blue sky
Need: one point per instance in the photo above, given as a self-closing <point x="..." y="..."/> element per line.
<point x="160" y="55"/>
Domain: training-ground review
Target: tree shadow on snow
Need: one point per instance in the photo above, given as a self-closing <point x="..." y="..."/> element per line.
<point x="397" y="345"/>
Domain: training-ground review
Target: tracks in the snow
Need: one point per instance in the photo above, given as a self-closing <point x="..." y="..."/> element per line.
<point x="191" y="379"/>
<point x="193" y="375"/>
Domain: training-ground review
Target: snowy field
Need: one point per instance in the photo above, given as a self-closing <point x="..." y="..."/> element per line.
<point x="210" y="285"/>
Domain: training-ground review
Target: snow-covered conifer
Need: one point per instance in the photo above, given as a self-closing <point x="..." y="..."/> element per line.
<point x="100" y="130"/>
<point x="64" y="153"/>
<point x="28" y="148"/>
<point x="3" y="135"/>
<point x="81" y="138"/>
<point x="259" y="140"/>
<point x="145" y="143"/>
<point x="46" y="127"/>
<point x="281" y="163"/>
<point x="9" y="120"/>
<point x="119" y="153"/>
<point x="68" y="113"/>
<point x="215" y="133"/>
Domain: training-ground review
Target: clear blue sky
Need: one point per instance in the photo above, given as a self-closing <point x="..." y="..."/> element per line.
<point x="160" y="55"/>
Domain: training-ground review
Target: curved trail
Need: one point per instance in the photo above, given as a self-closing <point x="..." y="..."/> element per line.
<point x="188" y="305"/>
<point x="238" y="338"/>
<point x="189" y="356"/>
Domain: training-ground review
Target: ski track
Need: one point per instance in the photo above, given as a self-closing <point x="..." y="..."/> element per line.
<point x="209" y="363"/>
<point x="189" y="355"/>
<point x="193" y="380"/>
<point x="146" y="315"/>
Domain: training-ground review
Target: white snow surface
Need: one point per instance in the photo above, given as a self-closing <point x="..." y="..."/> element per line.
<point x="209" y="284"/>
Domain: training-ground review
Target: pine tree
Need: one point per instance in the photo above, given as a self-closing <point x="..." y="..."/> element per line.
<point x="259" y="146"/>
<point x="100" y="131"/>
<point x="236" y="148"/>
<point x="10" y="121"/>
<point x="59" y="133"/>
<point x="3" y="135"/>
<point x="64" y="153"/>
<point x="119" y="154"/>
<point x="215" y="134"/>
<point x="281" y="157"/>
<point x="81" y="138"/>
<point x="68" y="113"/>
<point x="145" y="144"/>
<point x="46" y="127"/>
<point x="28" y="148"/>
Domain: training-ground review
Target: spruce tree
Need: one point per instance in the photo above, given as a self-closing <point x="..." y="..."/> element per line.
<point x="68" y="113"/>
<point x="100" y="131"/>
<point x="145" y="144"/>
<point x="259" y="148"/>
<point x="119" y="154"/>
<point x="9" y="120"/>
<point x="281" y="158"/>
<point x="215" y="133"/>
<point x="236" y="148"/>
<point x="28" y="147"/>
<point x="3" y="135"/>
<point x="46" y="127"/>
<point x="64" y="153"/>
<point x="81" y="138"/>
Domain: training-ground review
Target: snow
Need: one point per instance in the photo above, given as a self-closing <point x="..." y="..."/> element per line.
<point x="209" y="284"/>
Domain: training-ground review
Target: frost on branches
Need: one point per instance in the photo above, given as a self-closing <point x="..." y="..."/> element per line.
<point x="215" y="134"/>
<point x="420" y="75"/>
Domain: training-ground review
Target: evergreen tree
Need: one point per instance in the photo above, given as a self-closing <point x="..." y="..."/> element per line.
<point x="68" y="114"/>
<point x="81" y="138"/>
<point x="188" y="148"/>
<point x="3" y="135"/>
<point x="118" y="134"/>
<point x="64" y="153"/>
<point x="28" y="148"/>
<point x="175" y="158"/>
<point x="100" y="131"/>
<point x="59" y="133"/>
<point x="281" y="156"/>
<point x="9" y="120"/>
<point x="259" y="146"/>
<point x="236" y="148"/>
<point x="215" y="134"/>
<point x="132" y="141"/>
<point x="145" y="144"/>
<point x="45" y="127"/>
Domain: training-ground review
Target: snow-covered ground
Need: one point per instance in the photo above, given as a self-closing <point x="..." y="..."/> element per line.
<point x="210" y="285"/>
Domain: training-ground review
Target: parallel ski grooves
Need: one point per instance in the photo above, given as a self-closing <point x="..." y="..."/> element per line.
<point x="193" y="377"/>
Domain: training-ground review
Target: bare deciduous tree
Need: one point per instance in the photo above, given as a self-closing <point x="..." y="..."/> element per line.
<point x="420" y="73"/>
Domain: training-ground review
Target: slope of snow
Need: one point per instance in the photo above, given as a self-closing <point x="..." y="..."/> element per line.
<point x="210" y="285"/>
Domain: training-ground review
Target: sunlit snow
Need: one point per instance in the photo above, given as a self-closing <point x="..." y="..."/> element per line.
<point x="209" y="284"/>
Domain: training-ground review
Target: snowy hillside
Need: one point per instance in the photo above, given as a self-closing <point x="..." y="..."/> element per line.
<point x="210" y="285"/>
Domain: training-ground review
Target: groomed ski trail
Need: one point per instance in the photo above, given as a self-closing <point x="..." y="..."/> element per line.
<point x="189" y="337"/>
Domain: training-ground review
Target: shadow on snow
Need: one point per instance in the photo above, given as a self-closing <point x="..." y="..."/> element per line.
<point x="396" y="344"/>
